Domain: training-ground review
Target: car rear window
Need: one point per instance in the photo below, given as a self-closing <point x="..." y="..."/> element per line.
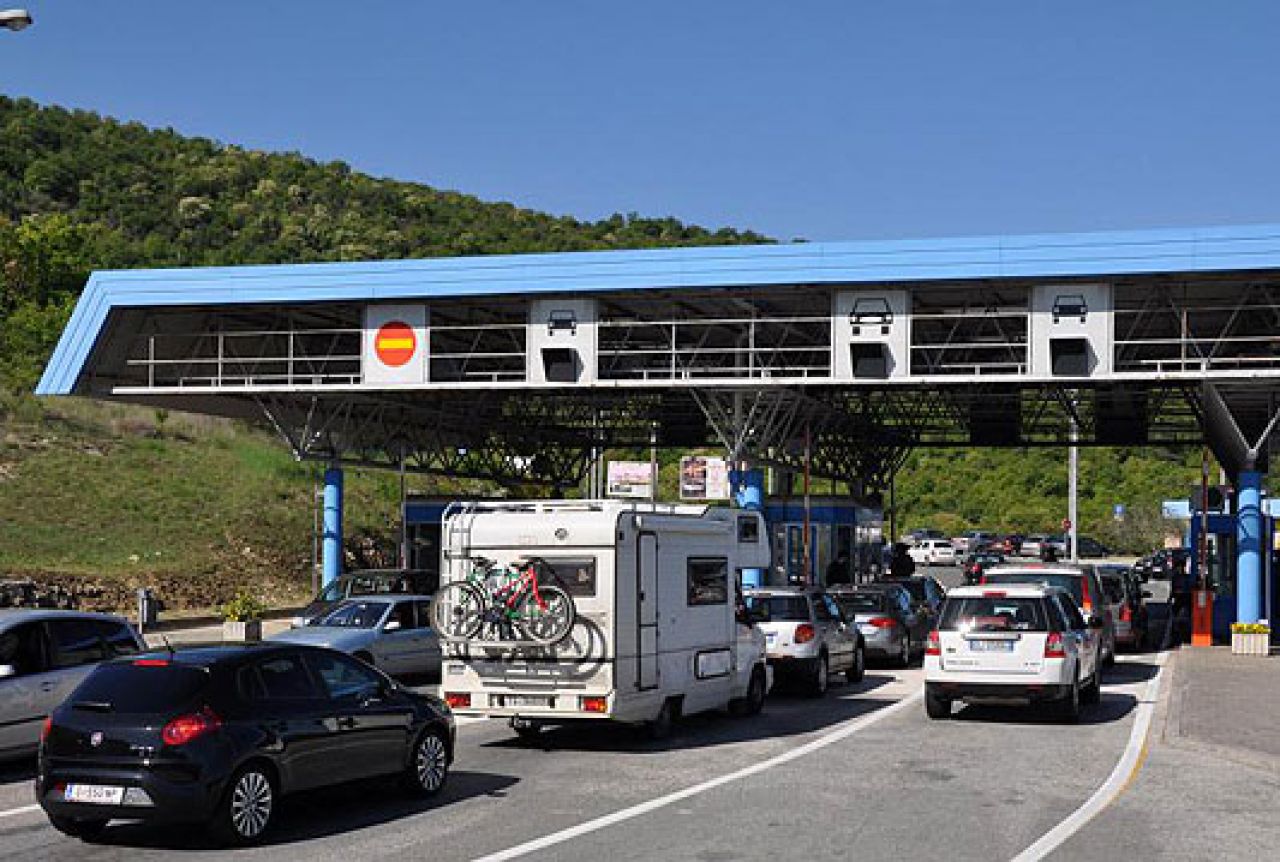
<point x="781" y="608"/>
<point x="1114" y="588"/>
<point x="1070" y="583"/>
<point x="861" y="603"/>
<point x="994" y="614"/>
<point x="134" y="688"/>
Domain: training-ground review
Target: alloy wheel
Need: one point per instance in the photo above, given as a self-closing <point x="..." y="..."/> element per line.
<point x="431" y="762"/>
<point x="251" y="804"/>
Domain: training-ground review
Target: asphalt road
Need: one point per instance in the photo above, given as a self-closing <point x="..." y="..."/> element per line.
<point x="982" y="786"/>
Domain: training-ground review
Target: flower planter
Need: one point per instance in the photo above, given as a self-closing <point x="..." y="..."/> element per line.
<point x="242" y="632"/>
<point x="1250" y="644"/>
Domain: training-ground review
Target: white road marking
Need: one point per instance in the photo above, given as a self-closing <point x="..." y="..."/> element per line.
<point x="1125" y="770"/>
<point x="14" y="812"/>
<point x="625" y="814"/>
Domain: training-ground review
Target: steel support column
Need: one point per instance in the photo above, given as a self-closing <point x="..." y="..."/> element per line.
<point x="331" y="550"/>
<point x="1249" y="546"/>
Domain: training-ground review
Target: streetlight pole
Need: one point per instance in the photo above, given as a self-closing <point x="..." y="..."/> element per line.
<point x="15" y="19"/>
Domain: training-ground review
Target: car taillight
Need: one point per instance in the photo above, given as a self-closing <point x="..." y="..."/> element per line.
<point x="934" y="645"/>
<point x="151" y="662"/>
<point x="1126" y="614"/>
<point x="46" y="727"/>
<point x="185" y="728"/>
<point x="1086" y="603"/>
<point x="457" y="699"/>
<point x="595" y="704"/>
<point x="982" y="580"/>
<point x="1054" y="647"/>
<point x="882" y="622"/>
<point x="804" y="633"/>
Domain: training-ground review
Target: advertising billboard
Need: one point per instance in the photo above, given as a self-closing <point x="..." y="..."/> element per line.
<point x="703" y="478"/>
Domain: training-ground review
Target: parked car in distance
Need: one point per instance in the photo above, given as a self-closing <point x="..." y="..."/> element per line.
<point x="1032" y="545"/>
<point x="1011" y="544"/>
<point x="883" y="614"/>
<point x="976" y="564"/>
<point x="1132" y="622"/>
<point x="1090" y="549"/>
<point x="1165" y="561"/>
<point x="1025" y="643"/>
<point x="216" y="735"/>
<point x="915" y="537"/>
<point x="369" y="582"/>
<point x="964" y="541"/>
<point x="1083" y="586"/>
<point x="44" y="655"/>
<point x="391" y="632"/>
<point x="933" y="552"/>
<point x="806" y="636"/>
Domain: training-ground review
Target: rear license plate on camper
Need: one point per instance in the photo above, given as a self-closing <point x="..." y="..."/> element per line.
<point x="539" y="700"/>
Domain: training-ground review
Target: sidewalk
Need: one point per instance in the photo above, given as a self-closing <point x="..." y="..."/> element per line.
<point x="1227" y="705"/>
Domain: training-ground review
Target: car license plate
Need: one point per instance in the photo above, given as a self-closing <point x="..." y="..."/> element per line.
<point x="991" y="646"/>
<point x="94" y="794"/>
<point x="538" y="700"/>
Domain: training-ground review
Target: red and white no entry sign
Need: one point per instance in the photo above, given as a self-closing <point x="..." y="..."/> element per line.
<point x="1066" y="523"/>
<point x="395" y="343"/>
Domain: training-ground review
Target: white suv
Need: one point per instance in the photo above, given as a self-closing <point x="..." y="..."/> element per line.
<point x="1012" y="643"/>
<point x="934" y="552"/>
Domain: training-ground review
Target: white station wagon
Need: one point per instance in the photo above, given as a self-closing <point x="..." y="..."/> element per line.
<point x="1012" y="643"/>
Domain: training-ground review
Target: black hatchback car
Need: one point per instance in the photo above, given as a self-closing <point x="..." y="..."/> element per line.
<point x="217" y="735"/>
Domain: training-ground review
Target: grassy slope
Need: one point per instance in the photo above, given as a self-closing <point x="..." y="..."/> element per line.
<point x="117" y="497"/>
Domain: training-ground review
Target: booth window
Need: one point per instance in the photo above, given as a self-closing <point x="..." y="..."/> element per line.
<point x="708" y="581"/>
<point x="748" y="529"/>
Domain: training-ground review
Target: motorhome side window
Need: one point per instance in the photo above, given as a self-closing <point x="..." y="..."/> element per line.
<point x="577" y="575"/>
<point x="748" y="529"/>
<point x="708" y="581"/>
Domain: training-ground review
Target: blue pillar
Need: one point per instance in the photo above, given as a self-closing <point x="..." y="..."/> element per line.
<point x="748" y="492"/>
<point x="1249" y="547"/>
<point x="331" y="551"/>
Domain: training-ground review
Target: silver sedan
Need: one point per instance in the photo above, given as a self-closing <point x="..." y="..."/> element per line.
<point x="393" y="633"/>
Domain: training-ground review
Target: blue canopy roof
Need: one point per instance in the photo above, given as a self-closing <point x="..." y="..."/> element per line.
<point x="1221" y="249"/>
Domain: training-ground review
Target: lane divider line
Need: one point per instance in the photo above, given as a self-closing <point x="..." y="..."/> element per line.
<point x="14" y="812"/>
<point x="1124" y="773"/>
<point x="842" y="732"/>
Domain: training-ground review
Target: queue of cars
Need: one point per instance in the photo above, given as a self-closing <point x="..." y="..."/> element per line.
<point x="218" y="735"/>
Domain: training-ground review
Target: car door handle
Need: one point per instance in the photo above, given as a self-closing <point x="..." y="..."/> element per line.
<point x="346" y="723"/>
<point x="48" y="686"/>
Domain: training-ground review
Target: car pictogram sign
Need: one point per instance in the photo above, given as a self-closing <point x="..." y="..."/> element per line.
<point x="395" y="343"/>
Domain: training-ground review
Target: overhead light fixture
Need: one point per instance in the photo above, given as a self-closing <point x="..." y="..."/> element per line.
<point x="15" y="19"/>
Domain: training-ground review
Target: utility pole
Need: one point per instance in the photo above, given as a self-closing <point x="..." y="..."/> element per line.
<point x="1073" y="490"/>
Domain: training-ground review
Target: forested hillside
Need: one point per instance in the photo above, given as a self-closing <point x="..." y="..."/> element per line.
<point x="134" y="495"/>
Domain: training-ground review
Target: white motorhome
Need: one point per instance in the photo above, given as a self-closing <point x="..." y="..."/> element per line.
<point x="655" y="634"/>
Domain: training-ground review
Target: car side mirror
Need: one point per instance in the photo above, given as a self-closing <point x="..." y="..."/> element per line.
<point x="7" y="670"/>
<point x="1096" y="622"/>
<point x="392" y="626"/>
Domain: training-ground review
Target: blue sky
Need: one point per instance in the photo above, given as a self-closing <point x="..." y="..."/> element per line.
<point x="823" y="120"/>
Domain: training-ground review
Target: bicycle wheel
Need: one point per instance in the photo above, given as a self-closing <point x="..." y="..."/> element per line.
<point x="457" y="610"/>
<point x="549" y="622"/>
